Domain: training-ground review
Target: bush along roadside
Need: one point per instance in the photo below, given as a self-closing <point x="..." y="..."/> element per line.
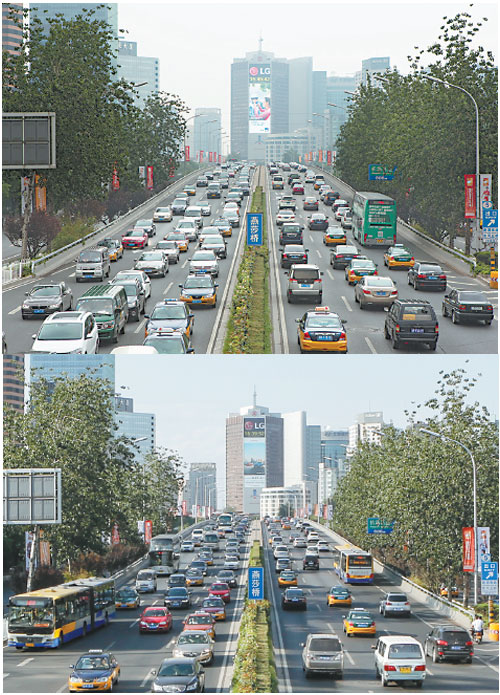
<point x="249" y="325"/>
<point x="254" y="668"/>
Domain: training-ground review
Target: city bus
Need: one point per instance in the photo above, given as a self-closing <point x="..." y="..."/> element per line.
<point x="211" y="540"/>
<point x="49" y="617"/>
<point x="374" y="219"/>
<point x="225" y="522"/>
<point x="353" y="566"/>
<point x="164" y="554"/>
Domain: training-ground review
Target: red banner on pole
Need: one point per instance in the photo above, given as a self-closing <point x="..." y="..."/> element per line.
<point x="321" y="155"/>
<point x="184" y="508"/>
<point x="210" y="156"/>
<point x="201" y="155"/>
<point x="115" y="535"/>
<point x="470" y="196"/>
<point x="115" y="184"/>
<point x="149" y="178"/>
<point x="186" y="153"/>
<point x="468" y="553"/>
<point x="310" y="156"/>
<point x="329" y="157"/>
<point x="148" y="531"/>
<point x="220" y="159"/>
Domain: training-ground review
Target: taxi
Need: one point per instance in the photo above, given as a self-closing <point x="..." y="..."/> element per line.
<point x="338" y="596"/>
<point x="194" y="577"/>
<point x="199" y="289"/>
<point x="114" y="247"/>
<point x="207" y="556"/>
<point x="334" y="236"/>
<point x="286" y="526"/>
<point x="170" y="313"/>
<point x="94" y="670"/>
<point x="321" y="330"/>
<point x="190" y="190"/>
<point x="318" y="183"/>
<point x="180" y="239"/>
<point x="127" y="598"/>
<point x="200" y="621"/>
<point x="358" y="622"/>
<point x="358" y="268"/>
<point x="224" y="227"/>
<point x="215" y="606"/>
<point x="398" y="256"/>
<point x="287" y="578"/>
<point x="443" y="591"/>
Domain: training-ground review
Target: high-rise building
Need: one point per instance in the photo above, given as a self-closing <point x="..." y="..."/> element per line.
<point x="13" y="381"/>
<point x="138" y="69"/>
<point x="300" y="93"/>
<point x="294" y="447"/>
<point x="201" y="486"/>
<point x="51" y="367"/>
<point x="336" y="87"/>
<point x="12" y="34"/>
<point x="371" y="65"/>
<point x="207" y="132"/>
<point x="254" y="456"/>
<point x="279" y="145"/>
<point x="334" y="445"/>
<point x="366" y="429"/>
<point x="313" y="452"/>
<point x="140" y="428"/>
<point x="284" y="501"/>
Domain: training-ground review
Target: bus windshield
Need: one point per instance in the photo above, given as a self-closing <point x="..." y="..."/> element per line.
<point x="31" y="612"/>
<point x="360" y="560"/>
<point x="161" y="543"/>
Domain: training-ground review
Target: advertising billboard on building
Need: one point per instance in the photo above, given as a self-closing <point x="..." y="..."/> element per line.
<point x="259" y="98"/>
<point x="254" y="462"/>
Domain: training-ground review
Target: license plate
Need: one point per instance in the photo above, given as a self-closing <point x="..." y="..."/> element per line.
<point x="475" y="308"/>
<point x="149" y="270"/>
<point x="305" y="286"/>
<point x="153" y="627"/>
<point x="88" y="276"/>
<point x="38" y="311"/>
<point x="415" y="330"/>
<point x="196" y="301"/>
<point x="364" y="625"/>
<point x="457" y="647"/>
<point x="30" y="644"/>
<point x="176" y="604"/>
<point x="380" y="241"/>
<point x="325" y="658"/>
<point x="324" y="337"/>
<point x="381" y="294"/>
<point x="431" y="277"/>
<point x="88" y="685"/>
<point x="405" y="669"/>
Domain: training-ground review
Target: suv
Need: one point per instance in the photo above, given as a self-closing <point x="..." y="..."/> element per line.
<point x="322" y="653"/>
<point x="449" y="642"/>
<point x="411" y="321"/>
<point x="396" y="603"/>
<point x="399" y="658"/>
<point x="287" y="202"/>
<point x="291" y="233"/>
<point x="310" y="562"/>
<point x="109" y="306"/>
<point x="67" y="332"/>
<point x="93" y="263"/>
<point x="304" y="280"/>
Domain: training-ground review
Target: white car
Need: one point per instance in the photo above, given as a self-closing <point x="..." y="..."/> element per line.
<point x="170" y="249"/>
<point x="280" y="551"/>
<point x="204" y="261"/>
<point x="206" y="209"/>
<point x="163" y="214"/>
<point x="189" y="227"/>
<point x="131" y="274"/>
<point x="194" y="212"/>
<point x="285" y="216"/>
<point x="153" y="263"/>
<point x="399" y="658"/>
<point x="216" y="244"/>
<point x="67" y="332"/>
<point x="299" y="543"/>
<point x="312" y="549"/>
<point x="208" y="231"/>
<point x="323" y="546"/>
<point x="340" y="211"/>
<point x="232" y="205"/>
<point x="231" y="562"/>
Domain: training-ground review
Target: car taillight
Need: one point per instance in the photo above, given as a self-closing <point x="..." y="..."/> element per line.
<point x="389" y="667"/>
<point x="376" y="272"/>
<point x="366" y="291"/>
<point x="442" y="642"/>
<point x="285" y="255"/>
<point x="412" y="258"/>
<point x="317" y="280"/>
<point x="394" y="292"/>
<point x="489" y="307"/>
<point x="342" y="336"/>
<point x="420" y="667"/>
<point x="398" y="328"/>
<point x="469" y="644"/>
<point x="305" y="257"/>
<point x="421" y="276"/>
<point x="351" y="624"/>
<point x="307" y="336"/>
<point x="436" y="328"/>
<point x="366" y="235"/>
<point x="462" y="307"/>
<point x="442" y="277"/>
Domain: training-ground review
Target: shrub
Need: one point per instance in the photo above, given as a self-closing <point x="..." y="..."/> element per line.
<point x="72" y="230"/>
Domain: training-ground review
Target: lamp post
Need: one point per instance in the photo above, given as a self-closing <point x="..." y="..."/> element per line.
<point x="180" y="487"/>
<point x="445" y="438"/>
<point x="191" y="118"/>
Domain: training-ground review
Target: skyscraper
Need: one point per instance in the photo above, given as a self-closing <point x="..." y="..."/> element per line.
<point x="13" y="381"/>
<point x="201" y="486"/>
<point x="313" y="451"/>
<point x="141" y="428"/>
<point x="71" y="367"/>
<point x="366" y="429"/>
<point x="336" y="87"/>
<point x="294" y="447"/>
<point x="207" y="132"/>
<point x="138" y="69"/>
<point x="371" y="65"/>
<point x="12" y="35"/>
<point x="300" y="93"/>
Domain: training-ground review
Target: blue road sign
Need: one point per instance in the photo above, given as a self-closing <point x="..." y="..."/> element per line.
<point x="489" y="578"/>
<point x="377" y="172"/>
<point x="254" y="229"/>
<point x="255" y="583"/>
<point x="490" y="226"/>
<point x="376" y="525"/>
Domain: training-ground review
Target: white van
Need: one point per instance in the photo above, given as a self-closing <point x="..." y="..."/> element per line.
<point x="399" y="658"/>
<point x="145" y="581"/>
<point x="197" y="536"/>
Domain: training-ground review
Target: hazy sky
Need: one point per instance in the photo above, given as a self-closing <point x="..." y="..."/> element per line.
<point x="192" y="396"/>
<point x="197" y="41"/>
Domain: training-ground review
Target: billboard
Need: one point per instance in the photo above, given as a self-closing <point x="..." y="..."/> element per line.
<point x="259" y="98"/>
<point x="254" y="462"/>
<point x="254" y="427"/>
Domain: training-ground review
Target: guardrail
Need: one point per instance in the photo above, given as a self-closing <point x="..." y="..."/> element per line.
<point x="12" y="271"/>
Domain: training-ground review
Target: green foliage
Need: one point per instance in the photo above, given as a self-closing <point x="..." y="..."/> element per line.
<point x="72" y="230"/>
<point x="254" y="670"/>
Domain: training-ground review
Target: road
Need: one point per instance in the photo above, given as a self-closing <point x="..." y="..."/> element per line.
<point x="365" y="328"/>
<point x="480" y="676"/>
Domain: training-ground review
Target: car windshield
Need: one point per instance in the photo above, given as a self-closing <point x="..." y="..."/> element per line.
<point x="411" y="311"/>
<point x="472" y="297"/>
<point x="130" y="289"/>
<point x="320" y="217"/>
<point x="325" y="644"/>
<point x="125" y="593"/>
<point x="162" y="209"/>
<point x="294" y="593"/>
<point x="177" y="593"/>
<point x="305" y="275"/>
<point x="155" y="613"/>
<point x="169" y="312"/>
<point x="198" y="282"/>
<point x="144" y="223"/>
<point x="455" y="635"/>
<point x="405" y="651"/>
<point x="186" y="224"/>
<point x="361" y="263"/>
<point x="61" y="331"/>
<point x="151" y="256"/>
<point x="203" y="256"/>
<point x="89" y="257"/>
<point x="179" y="201"/>
<point x="213" y="603"/>
<point x="338" y="590"/>
<point x="92" y="663"/>
<point x="360" y="615"/>
<point x="429" y="268"/>
<point x="213" y="241"/>
<point x="374" y="281"/>
<point x="198" y="638"/>
<point x="167" y="245"/>
<point x="294" y="249"/>
<point x="176" y="236"/>
<point x="45" y="292"/>
<point x="95" y="306"/>
<point x="211" y="230"/>
<point x="219" y="587"/>
<point x="198" y="563"/>
<point x="144" y="575"/>
<point x="182" y="669"/>
<point x="39" y="616"/>
<point x="197" y="620"/>
<point x="397" y="598"/>
<point x="166" y="346"/>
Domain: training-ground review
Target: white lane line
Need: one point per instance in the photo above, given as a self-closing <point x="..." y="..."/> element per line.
<point x="63" y="688"/>
<point x="429" y="671"/>
<point x="370" y="345"/>
<point x="330" y="274"/>
<point x="155" y="602"/>
<point x="349" y="657"/>
<point x="167" y="287"/>
<point x="140" y="327"/>
<point x="26" y="661"/>
<point x="185" y="263"/>
<point x="146" y="678"/>
<point x="14" y="311"/>
<point x="71" y="275"/>
<point x="134" y="623"/>
<point x="318" y="252"/>
<point x="111" y="644"/>
<point x="6" y="675"/>
<point x="349" y="308"/>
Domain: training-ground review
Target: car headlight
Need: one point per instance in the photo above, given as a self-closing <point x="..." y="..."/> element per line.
<point x="143" y="624"/>
<point x="157" y="688"/>
<point x="74" y="679"/>
<point x="192" y="686"/>
<point x="26" y="305"/>
<point x="177" y="652"/>
<point x="164" y="622"/>
<point x="102" y="679"/>
<point x="55" y="306"/>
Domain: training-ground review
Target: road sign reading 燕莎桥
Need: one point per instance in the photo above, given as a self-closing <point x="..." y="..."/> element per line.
<point x="255" y="583"/>
<point x="376" y="525"/>
<point x="254" y="229"/>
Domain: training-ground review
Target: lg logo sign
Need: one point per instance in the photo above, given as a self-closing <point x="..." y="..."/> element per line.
<point x="252" y="425"/>
<point x="254" y="71"/>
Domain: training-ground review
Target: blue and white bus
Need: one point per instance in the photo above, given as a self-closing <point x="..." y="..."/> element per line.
<point x="164" y="553"/>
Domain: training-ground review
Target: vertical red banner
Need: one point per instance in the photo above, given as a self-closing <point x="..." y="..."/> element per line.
<point x="209" y="156"/>
<point x="201" y="155"/>
<point x="468" y="560"/>
<point x="115" y="535"/>
<point x="470" y="196"/>
<point x="220" y="159"/>
<point x="115" y="184"/>
<point x="320" y="156"/>
<point x="184" y="508"/>
<point x="310" y="156"/>
<point x="316" y="510"/>
<point x="149" y="178"/>
<point x="325" y="511"/>
<point x="329" y="157"/>
<point x="186" y="153"/>
<point x="148" y="531"/>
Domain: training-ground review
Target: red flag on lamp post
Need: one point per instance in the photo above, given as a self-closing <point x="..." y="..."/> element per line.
<point x="149" y="178"/>
<point x="329" y="157"/>
<point x="468" y="560"/>
<point x="186" y="154"/>
<point x="115" y="184"/>
<point x="470" y="196"/>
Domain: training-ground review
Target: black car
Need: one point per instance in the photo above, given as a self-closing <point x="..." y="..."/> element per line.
<point x="294" y="598"/>
<point x="45" y="299"/>
<point x="330" y="197"/>
<point x="177" y="597"/>
<point x="318" y="221"/>
<point x="449" y="642"/>
<point x="291" y="233"/>
<point x="292" y="178"/>
<point x="227" y="576"/>
<point x="310" y="562"/>
<point x="411" y="321"/>
<point x="467" y="305"/>
<point x="342" y="255"/>
<point x="293" y="254"/>
<point x="179" y="675"/>
<point x="428" y="276"/>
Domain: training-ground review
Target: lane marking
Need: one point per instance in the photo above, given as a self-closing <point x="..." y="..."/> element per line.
<point x="71" y="275"/>
<point x="167" y="287"/>
<point x="134" y="623"/>
<point x="349" y="308"/>
<point x="26" y="661"/>
<point x="370" y="345"/>
<point x="6" y="675"/>
<point x="318" y="252"/>
<point x="349" y="657"/>
<point x="14" y="311"/>
<point x="146" y="678"/>
<point x="330" y="274"/>
<point x="111" y="644"/>
<point x="140" y="327"/>
<point x="185" y="263"/>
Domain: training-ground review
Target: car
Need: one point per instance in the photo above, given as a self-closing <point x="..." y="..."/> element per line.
<point x="443" y="591"/>
<point x="319" y="181"/>
<point x="169" y="342"/>
<point x="330" y="197"/>
<point x="210" y="231"/>
<point x="323" y="190"/>
<point x="449" y="642"/>
<point x="207" y="557"/>
<point x="375" y="290"/>
<point x="299" y="543"/>
<point x="135" y="297"/>
<point x="322" y="653"/>
<point x="338" y="596"/>
<point x="318" y="221"/>
<point x="67" y="332"/>
<point x="180" y="239"/>
<point x="194" y="643"/>
<point x="177" y="597"/>
<point x="190" y="190"/>
<point x="309" y="177"/>
<point x="153" y="263"/>
<point x="312" y="535"/>
<point x="170" y="313"/>
<point x="199" y="288"/>
<point x="283" y="563"/>
<point x="201" y="565"/>
<point x="220" y="589"/>
<point x="398" y="256"/>
<point x="127" y="597"/>
<point x="293" y="254"/>
<point x="277" y="183"/>
<point x="342" y="255"/>
<point x="148" y="225"/>
<point x="187" y="546"/>
<point x="200" y="621"/>
<point x="467" y="305"/>
<point x="321" y="330"/>
<point x="231" y="562"/>
<point x="155" y="619"/>
<point x="215" y="606"/>
<point x="44" y="299"/>
<point x="340" y="211"/>
<point x="96" y="670"/>
<point x="228" y="576"/>
<point x="223" y="226"/>
<point x="170" y="249"/>
<point x="232" y="217"/>
<point x="410" y="322"/>
<point x="358" y="268"/>
<point x="287" y="578"/>
<point x="216" y="244"/>
<point x="310" y="561"/>
<point x="358" y="622"/>
<point x="285" y="216"/>
<point x="214" y="191"/>
<point x="399" y="658"/>
<point x="294" y="598"/>
<point x="235" y="195"/>
<point x="298" y="189"/>
<point x="346" y="219"/>
<point x="312" y="549"/>
<point x="163" y="214"/>
<point x="177" y="579"/>
<point x="293" y="179"/>
<point x="114" y="247"/>
<point x="206" y="209"/>
<point x="429" y="276"/>
<point x="287" y="202"/>
<point x="291" y="233"/>
<point x="275" y="540"/>
<point x="334" y="236"/>
<point x="136" y="238"/>
<point x="179" y="674"/>
<point x="188" y="227"/>
<point x="323" y="547"/>
<point x="204" y="261"/>
<point x="194" y="212"/>
<point x="280" y="550"/>
<point x="132" y="274"/>
<point x="202" y="181"/>
<point x="395" y="603"/>
<point x="304" y="282"/>
<point x="179" y="206"/>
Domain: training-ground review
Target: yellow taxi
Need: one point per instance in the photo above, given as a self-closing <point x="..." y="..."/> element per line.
<point x="334" y="236"/>
<point x="180" y="239"/>
<point x="358" y="622"/>
<point x="114" y="247"/>
<point x="94" y="670"/>
<point x="194" y="577"/>
<point x="286" y="526"/>
<point x="321" y="330"/>
<point x="287" y="578"/>
<point x="338" y="596"/>
<point x="358" y="268"/>
<point x="199" y="288"/>
<point x="398" y="256"/>
<point x="318" y="184"/>
<point x="224" y="227"/>
<point x="444" y="591"/>
<point x="190" y="190"/>
<point x="127" y="598"/>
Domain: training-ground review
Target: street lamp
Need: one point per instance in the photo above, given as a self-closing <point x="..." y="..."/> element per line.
<point x="180" y="487"/>
<point x="191" y="118"/>
<point x="445" y="438"/>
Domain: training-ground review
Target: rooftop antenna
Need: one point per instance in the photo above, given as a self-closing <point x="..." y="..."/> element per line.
<point x="254" y="397"/>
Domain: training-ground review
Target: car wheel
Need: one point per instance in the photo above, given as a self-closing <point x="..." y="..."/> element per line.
<point x="435" y="657"/>
<point x="409" y="279"/>
<point x="356" y="298"/>
<point x="454" y="317"/>
<point x="468" y="660"/>
<point x="84" y="630"/>
<point x="488" y="322"/>
<point x="386" y="333"/>
<point x="432" y="346"/>
<point x="419" y="684"/>
<point x="395" y="345"/>
<point x="115" y="335"/>
<point x="444" y="311"/>
<point x="307" y="673"/>
<point x="416" y="286"/>
<point x="384" y="682"/>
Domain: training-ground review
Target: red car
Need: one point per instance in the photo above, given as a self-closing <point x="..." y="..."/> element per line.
<point x="298" y="189"/>
<point x="135" y="238"/>
<point x="200" y="620"/>
<point x="155" y="619"/>
<point x="222" y="590"/>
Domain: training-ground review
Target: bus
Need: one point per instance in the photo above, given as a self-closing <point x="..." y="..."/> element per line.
<point x="374" y="219"/>
<point x="353" y="566"/>
<point x="211" y="540"/>
<point x="163" y="554"/>
<point x="47" y="618"/>
<point x="225" y="522"/>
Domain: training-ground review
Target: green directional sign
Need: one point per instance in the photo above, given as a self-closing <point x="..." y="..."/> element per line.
<point x="376" y="525"/>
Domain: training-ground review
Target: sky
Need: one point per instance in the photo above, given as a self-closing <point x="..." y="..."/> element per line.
<point x="197" y="41"/>
<point x="192" y="396"/>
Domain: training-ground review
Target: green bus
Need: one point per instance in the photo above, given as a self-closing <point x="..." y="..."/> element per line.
<point x="374" y="219"/>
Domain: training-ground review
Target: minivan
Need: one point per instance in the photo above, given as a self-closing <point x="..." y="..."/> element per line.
<point x="109" y="306"/>
<point x="145" y="581"/>
<point x="399" y="658"/>
<point x="304" y="281"/>
<point x="93" y="263"/>
<point x="291" y="233"/>
<point x="322" y="653"/>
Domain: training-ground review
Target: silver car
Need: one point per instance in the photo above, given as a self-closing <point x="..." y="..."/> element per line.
<point x="206" y="210"/>
<point x="189" y="227"/>
<point x="304" y="281"/>
<point x="163" y="214"/>
<point x="216" y="244"/>
<point x="153" y="263"/>
<point x="170" y="249"/>
<point x="322" y="653"/>
<point x="195" y="643"/>
<point x="231" y="562"/>
<point x="204" y="261"/>
<point x="140" y="275"/>
<point x="375" y="289"/>
<point x="195" y="213"/>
